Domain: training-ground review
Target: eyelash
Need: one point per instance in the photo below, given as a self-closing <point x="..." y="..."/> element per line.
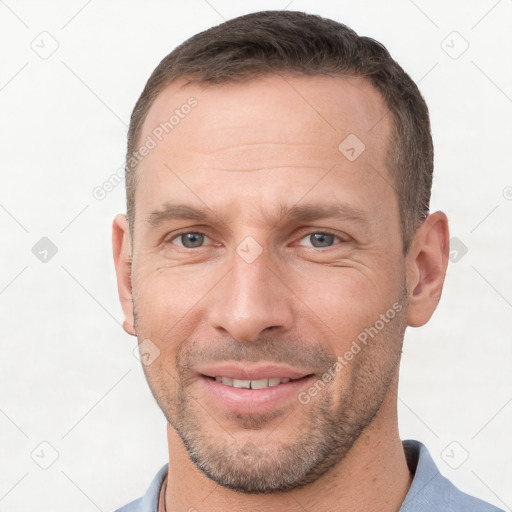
<point x="177" y="235"/>
<point x="169" y="240"/>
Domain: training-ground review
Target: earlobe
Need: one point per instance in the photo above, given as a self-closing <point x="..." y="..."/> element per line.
<point x="427" y="261"/>
<point x="122" y="260"/>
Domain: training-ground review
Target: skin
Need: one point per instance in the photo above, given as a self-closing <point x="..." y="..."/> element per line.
<point x="245" y="151"/>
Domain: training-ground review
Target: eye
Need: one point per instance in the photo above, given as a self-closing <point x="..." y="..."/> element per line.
<point x="321" y="239"/>
<point x="189" y="240"/>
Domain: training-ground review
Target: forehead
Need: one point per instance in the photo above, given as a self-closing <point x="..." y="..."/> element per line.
<point x="278" y="109"/>
<point x="206" y="134"/>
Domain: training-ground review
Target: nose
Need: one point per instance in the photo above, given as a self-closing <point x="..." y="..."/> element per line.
<point x="251" y="300"/>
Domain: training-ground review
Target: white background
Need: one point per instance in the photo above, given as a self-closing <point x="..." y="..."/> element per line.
<point x="68" y="375"/>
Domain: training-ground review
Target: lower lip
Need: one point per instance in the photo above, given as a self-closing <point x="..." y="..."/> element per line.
<point x="253" y="401"/>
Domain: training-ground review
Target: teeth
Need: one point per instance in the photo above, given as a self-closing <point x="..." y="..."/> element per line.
<point x="252" y="384"/>
<point x="259" y="384"/>
<point x="238" y="383"/>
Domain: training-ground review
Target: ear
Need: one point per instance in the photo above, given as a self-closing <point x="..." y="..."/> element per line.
<point x="122" y="262"/>
<point x="427" y="260"/>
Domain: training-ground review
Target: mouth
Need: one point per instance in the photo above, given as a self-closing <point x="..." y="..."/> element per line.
<point x="252" y="390"/>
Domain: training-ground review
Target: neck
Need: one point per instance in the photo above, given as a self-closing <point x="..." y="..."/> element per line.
<point x="373" y="476"/>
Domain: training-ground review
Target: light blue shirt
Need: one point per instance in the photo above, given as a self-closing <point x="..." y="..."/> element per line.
<point x="429" y="492"/>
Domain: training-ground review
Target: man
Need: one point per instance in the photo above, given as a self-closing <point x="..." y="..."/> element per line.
<point x="277" y="243"/>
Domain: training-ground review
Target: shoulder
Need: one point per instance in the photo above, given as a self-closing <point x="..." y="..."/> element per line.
<point x="134" y="506"/>
<point x="431" y="491"/>
<point x="148" y="502"/>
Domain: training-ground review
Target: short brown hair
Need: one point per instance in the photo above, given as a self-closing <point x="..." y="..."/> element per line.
<point x="296" y="43"/>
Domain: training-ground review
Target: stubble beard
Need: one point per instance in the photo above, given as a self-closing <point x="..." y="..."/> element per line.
<point x="332" y="421"/>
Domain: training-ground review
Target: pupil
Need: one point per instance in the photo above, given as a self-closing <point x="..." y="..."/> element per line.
<point x="192" y="239"/>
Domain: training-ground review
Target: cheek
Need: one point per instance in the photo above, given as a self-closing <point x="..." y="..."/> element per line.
<point x="167" y="301"/>
<point x="168" y="291"/>
<point x="346" y="301"/>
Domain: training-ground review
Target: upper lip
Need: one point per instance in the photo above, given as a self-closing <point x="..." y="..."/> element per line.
<point x="251" y="372"/>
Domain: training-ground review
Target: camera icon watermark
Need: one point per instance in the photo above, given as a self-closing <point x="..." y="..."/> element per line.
<point x="44" y="250"/>
<point x="455" y="455"/>
<point x="44" y="44"/>
<point x="352" y="147"/>
<point x="249" y="249"/>
<point x="146" y="352"/>
<point x="454" y="45"/>
<point x="507" y="193"/>
<point x="249" y="451"/>
<point x="458" y="249"/>
<point x="44" y="455"/>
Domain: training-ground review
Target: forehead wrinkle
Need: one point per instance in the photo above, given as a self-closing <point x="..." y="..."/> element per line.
<point x="276" y="168"/>
<point x="253" y="156"/>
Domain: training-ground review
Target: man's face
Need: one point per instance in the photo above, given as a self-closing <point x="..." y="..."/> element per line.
<point x="296" y="254"/>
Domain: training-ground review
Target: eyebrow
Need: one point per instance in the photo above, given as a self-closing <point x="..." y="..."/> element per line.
<point x="309" y="212"/>
<point x="170" y="211"/>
